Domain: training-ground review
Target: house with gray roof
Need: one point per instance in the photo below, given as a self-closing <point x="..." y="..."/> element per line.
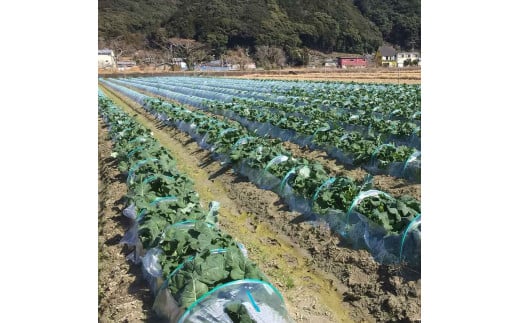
<point x="386" y="56"/>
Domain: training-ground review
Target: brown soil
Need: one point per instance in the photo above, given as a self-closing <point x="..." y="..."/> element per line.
<point x="321" y="280"/>
<point x="395" y="186"/>
<point x="123" y="295"/>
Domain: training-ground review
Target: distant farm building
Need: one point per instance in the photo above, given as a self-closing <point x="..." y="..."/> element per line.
<point x="177" y="61"/>
<point x="125" y="64"/>
<point x="386" y="56"/>
<point x="329" y="62"/>
<point x="176" y="64"/>
<point x="352" y="61"/>
<point x="106" y="58"/>
<point x="408" y="59"/>
<point x="213" y="66"/>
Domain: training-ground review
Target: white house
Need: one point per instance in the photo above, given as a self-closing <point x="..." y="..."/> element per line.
<point x="329" y="62"/>
<point x="180" y="62"/>
<point x="106" y="58"/>
<point x="403" y="56"/>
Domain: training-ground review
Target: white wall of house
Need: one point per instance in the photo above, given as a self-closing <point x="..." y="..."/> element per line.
<point x="106" y="60"/>
<point x="401" y="57"/>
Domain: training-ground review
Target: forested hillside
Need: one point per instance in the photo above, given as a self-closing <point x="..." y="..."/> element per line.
<point x="354" y="26"/>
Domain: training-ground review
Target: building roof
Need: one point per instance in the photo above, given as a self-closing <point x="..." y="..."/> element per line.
<point x="387" y="51"/>
<point x="126" y="63"/>
<point x="216" y="62"/>
<point x="105" y="51"/>
<point x="351" y="56"/>
<point x="414" y="53"/>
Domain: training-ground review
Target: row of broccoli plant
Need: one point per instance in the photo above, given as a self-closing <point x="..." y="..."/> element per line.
<point x="206" y="85"/>
<point x="404" y="130"/>
<point x="196" y="271"/>
<point x="363" y="121"/>
<point x="218" y="132"/>
<point x="386" y="224"/>
<point x="240" y="86"/>
<point x="385" y="98"/>
<point x="388" y="101"/>
<point x="349" y="147"/>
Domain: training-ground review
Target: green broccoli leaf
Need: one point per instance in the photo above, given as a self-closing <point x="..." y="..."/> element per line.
<point x="192" y="291"/>
<point x="238" y="313"/>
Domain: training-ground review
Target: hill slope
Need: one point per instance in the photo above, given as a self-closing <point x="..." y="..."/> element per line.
<point x="356" y="26"/>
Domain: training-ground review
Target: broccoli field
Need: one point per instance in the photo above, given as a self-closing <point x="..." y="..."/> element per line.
<point x="239" y="200"/>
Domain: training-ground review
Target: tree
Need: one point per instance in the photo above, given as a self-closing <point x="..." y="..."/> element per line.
<point x="118" y="45"/>
<point x="327" y="30"/>
<point x="237" y="56"/>
<point x="298" y="56"/>
<point x="148" y="57"/>
<point x="270" y="56"/>
<point x="158" y="38"/>
<point x="217" y="41"/>
<point x="190" y="50"/>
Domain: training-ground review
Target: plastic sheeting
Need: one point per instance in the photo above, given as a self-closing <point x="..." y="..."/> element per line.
<point x="199" y="99"/>
<point x="263" y="302"/>
<point x="257" y="299"/>
<point x="355" y="227"/>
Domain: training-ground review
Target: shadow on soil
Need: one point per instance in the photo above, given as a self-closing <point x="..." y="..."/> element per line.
<point x="140" y="287"/>
<point x="221" y="171"/>
<point x="114" y="240"/>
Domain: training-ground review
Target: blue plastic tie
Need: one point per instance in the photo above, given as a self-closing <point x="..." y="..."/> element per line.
<point x="252" y="300"/>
